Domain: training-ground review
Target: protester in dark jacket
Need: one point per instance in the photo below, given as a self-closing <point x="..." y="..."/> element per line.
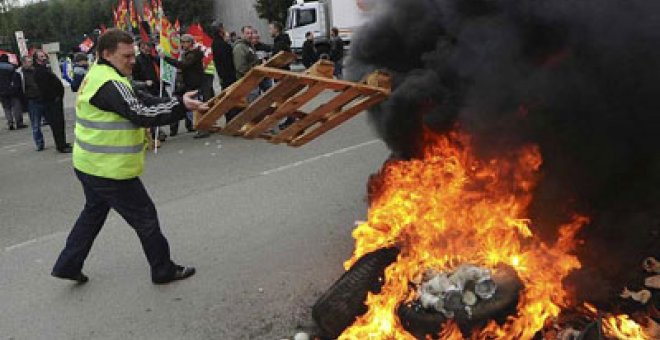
<point x="336" y="51"/>
<point x="80" y="68"/>
<point x="281" y="40"/>
<point x="281" y="43"/>
<point x="11" y="93"/>
<point x="146" y="77"/>
<point x="146" y="69"/>
<point x="223" y="57"/>
<point x="309" y="54"/>
<point x="35" y="106"/>
<point x="52" y="96"/>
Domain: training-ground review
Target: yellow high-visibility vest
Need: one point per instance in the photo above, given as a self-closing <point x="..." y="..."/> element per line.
<point x="107" y="144"/>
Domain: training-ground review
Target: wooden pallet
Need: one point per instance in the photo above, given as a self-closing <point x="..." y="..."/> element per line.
<point x="292" y="91"/>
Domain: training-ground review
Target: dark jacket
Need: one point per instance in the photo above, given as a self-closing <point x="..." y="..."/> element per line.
<point x="146" y="68"/>
<point x="192" y="69"/>
<point x="336" y="49"/>
<point x="50" y="86"/>
<point x="8" y="80"/>
<point x="224" y="61"/>
<point x="79" y="72"/>
<point x="281" y="43"/>
<point x="141" y="108"/>
<point x="30" y="86"/>
<point x="309" y="55"/>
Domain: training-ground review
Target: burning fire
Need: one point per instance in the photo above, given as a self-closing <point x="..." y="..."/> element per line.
<point x="449" y="208"/>
<point x="622" y="327"/>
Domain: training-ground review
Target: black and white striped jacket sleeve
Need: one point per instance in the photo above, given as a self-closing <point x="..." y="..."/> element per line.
<point x="139" y="107"/>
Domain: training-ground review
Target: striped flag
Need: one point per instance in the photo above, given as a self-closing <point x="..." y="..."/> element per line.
<point x="169" y="39"/>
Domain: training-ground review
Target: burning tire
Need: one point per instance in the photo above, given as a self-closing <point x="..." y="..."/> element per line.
<point x="421" y="323"/>
<point x="338" y="308"/>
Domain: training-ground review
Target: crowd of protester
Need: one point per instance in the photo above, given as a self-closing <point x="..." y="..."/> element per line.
<point x="33" y="87"/>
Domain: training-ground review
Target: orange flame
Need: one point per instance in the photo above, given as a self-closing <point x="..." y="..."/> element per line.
<point x="448" y="208"/>
<point x="622" y="327"/>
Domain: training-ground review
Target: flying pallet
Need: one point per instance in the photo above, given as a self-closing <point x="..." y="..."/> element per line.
<point x="289" y="94"/>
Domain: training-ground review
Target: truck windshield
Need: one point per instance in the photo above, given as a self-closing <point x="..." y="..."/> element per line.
<point x="305" y="17"/>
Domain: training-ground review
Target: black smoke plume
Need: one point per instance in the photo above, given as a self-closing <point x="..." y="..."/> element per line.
<point x="580" y="78"/>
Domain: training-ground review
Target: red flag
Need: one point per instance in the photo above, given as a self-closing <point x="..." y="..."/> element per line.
<point x="143" y="34"/>
<point x="145" y="37"/>
<point x="203" y="41"/>
<point x="177" y="26"/>
<point x="86" y="45"/>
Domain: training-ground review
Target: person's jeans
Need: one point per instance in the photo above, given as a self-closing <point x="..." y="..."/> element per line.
<point x="339" y="69"/>
<point x="131" y="200"/>
<point x="36" y="111"/>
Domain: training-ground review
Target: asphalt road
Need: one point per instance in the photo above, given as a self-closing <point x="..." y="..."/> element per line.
<point x="267" y="227"/>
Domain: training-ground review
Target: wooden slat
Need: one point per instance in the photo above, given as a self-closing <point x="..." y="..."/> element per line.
<point x="338" y="119"/>
<point x="231" y="98"/>
<point x="281" y="59"/>
<point x="331" y="84"/>
<point x="285" y="99"/>
<point x="320" y="112"/>
<point x="322" y="68"/>
<point x="286" y="109"/>
<point x="379" y="79"/>
<point x="277" y="93"/>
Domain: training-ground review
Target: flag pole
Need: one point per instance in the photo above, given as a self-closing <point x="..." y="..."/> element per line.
<point x="159" y="25"/>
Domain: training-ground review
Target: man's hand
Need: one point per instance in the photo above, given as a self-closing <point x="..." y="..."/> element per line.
<point x="149" y="83"/>
<point x="193" y="104"/>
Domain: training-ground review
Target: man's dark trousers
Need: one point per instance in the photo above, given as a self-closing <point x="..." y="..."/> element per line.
<point x="130" y="199"/>
<point x="54" y="113"/>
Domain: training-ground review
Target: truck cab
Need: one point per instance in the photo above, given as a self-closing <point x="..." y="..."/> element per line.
<point x="320" y="16"/>
<point x="306" y="17"/>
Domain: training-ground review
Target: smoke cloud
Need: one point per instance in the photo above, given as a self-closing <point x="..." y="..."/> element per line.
<point x="579" y="78"/>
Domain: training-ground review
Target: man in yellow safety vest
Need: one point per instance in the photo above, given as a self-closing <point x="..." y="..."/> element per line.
<point x="108" y="157"/>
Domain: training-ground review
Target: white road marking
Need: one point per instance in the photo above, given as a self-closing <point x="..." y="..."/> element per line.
<point x="265" y="173"/>
<point x="64" y="160"/>
<point x="15" y="145"/>
<point x="316" y="158"/>
<point x="34" y="240"/>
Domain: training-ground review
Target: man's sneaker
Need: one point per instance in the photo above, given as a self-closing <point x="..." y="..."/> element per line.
<point x="80" y="277"/>
<point x="180" y="273"/>
<point x="162" y="136"/>
<point x="65" y="149"/>
<point x="21" y="126"/>
<point x="201" y="134"/>
<point x="11" y="126"/>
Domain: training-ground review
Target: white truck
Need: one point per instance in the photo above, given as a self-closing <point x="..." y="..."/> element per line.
<point x="319" y="17"/>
